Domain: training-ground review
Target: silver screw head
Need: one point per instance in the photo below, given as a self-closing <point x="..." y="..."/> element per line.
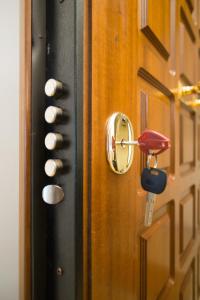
<point x="53" y="140"/>
<point x="60" y="271"/>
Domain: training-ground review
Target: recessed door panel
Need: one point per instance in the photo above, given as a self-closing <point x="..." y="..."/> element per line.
<point x="158" y="262"/>
<point x="188" y="50"/>
<point x="187" y="221"/>
<point x="152" y="101"/>
<point x="188" y="286"/>
<point x="187" y="140"/>
<point x="155" y="24"/>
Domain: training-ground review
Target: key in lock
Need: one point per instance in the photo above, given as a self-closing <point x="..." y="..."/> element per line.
<point x="120" y="143"/>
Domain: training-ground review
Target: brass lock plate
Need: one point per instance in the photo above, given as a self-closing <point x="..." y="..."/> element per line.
<point x="119" y="155"/>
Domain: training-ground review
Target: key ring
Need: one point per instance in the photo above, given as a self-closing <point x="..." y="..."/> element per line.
<point x="149" y="158"/>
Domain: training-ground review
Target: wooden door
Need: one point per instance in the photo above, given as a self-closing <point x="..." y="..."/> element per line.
<point x="136" y="55"/>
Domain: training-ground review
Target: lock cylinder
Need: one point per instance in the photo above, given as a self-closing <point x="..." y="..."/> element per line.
<point x="120" y="142"/>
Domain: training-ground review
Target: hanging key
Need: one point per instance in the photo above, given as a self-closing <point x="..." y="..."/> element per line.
<point x="150" y="203"/>
<point x="154" y="181"/>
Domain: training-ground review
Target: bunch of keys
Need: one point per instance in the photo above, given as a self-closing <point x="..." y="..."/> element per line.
<point x="154" y="181"/>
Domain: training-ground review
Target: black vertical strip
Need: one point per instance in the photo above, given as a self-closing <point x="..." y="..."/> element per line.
<point x="57" y="246"/>
<point x="65" y="63"/>
<point x="38" y="210"/>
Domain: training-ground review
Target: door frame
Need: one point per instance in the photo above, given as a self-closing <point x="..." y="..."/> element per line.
<point x="25" y="152"/>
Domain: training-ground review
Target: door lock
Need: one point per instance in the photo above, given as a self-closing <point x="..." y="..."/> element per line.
<point x="120" y="142"/>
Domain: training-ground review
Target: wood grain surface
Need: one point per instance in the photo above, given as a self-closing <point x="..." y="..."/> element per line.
<point x="136" y="54"/>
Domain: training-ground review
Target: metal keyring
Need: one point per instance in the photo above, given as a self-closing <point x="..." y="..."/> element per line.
<point x="149" y="158"/>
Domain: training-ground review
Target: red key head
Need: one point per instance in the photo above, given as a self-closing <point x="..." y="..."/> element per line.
<point x="151" y="140"/>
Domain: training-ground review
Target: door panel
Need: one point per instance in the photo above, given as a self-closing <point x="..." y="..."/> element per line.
<point x="187" y="48"/>
<point x="187" y="290"/>
<point x="156" y="100"/>
<point x="111" y="239"/>
<point x="155" y="24"/>
<point x="187" y="221"/>
<point x="187" y="140"/>
<point x="138" y="54"/>
<point x="157" y="258"/>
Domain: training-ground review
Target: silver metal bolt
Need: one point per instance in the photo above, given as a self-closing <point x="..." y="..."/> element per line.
<point x="52" y="194"/>
<point x="53" y="140"/>
<point x="52" y="113"/>
<point x="52" y="166"/>
<point x="53" y="87"/>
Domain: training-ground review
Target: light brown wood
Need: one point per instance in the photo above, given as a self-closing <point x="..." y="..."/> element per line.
<point x="187" y="221"/>
<point x="112" y="39"/>
<point x="188" y="286"/>
<point x="137" y="54"/>
<point x="24" y="159"/>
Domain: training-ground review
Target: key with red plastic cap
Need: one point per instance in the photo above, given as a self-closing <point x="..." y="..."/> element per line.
<point x="151" y="140"/>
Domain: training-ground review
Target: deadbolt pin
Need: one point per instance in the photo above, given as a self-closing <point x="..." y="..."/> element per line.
<point x="54" y="88"/>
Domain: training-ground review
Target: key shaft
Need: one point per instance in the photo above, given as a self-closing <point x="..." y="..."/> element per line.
<point x="149" y="209"/>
